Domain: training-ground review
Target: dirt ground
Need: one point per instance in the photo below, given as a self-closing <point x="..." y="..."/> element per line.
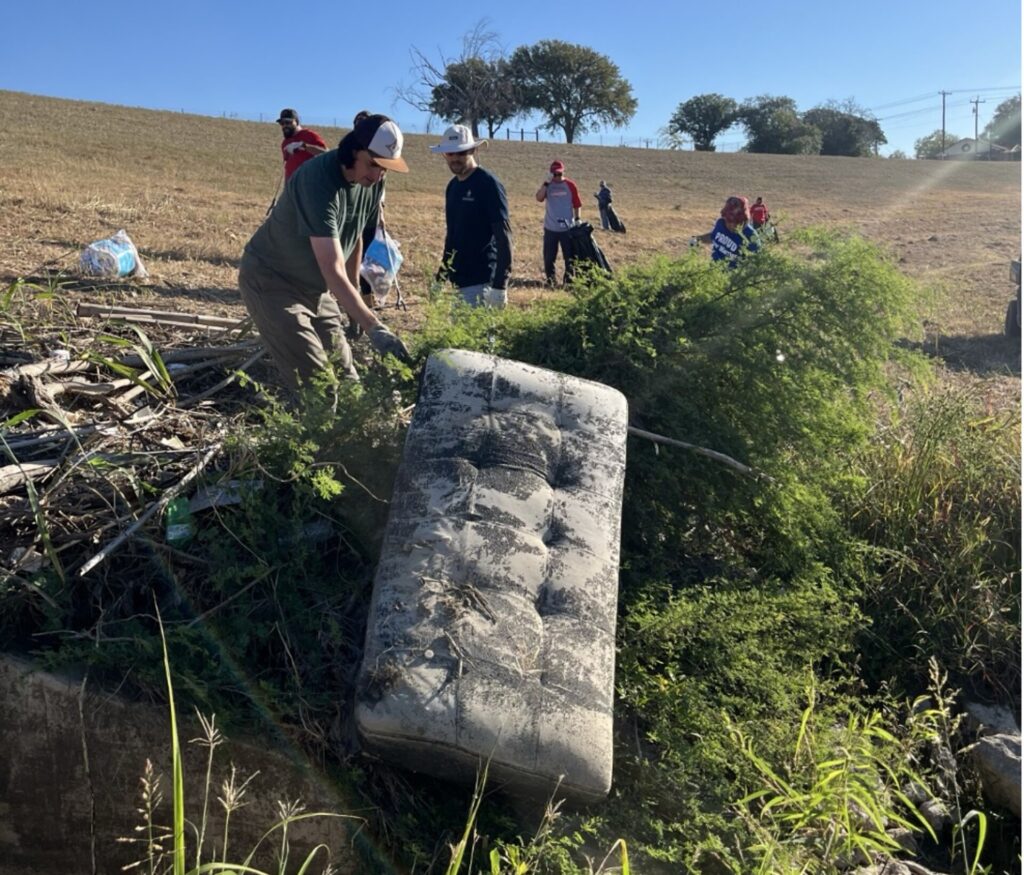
<point x="191" y="190"/>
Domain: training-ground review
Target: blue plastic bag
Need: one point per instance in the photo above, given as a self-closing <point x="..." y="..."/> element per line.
<point x="381" y="262"/>
<point x="112" y="257"/>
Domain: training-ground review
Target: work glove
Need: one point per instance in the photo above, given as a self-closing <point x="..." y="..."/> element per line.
<point x="387" y="342"/>
<point x="353" y="331"/>
<point x="492" y="296"/>
<point x="291" y="148"/>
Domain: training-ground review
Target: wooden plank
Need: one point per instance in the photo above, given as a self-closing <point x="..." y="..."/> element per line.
<point x="50" y="366"/>
<point x="13" y="476"/>
<point x="192" y="354"/>
<point x="160" y="316"/>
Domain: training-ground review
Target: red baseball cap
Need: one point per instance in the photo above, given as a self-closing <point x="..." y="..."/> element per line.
<point x="557" y="167"/>
<point x="736" y="210"/>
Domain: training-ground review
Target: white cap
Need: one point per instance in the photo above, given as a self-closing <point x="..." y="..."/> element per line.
<point x="458" y="138"/>
<point x="386" y="147"/>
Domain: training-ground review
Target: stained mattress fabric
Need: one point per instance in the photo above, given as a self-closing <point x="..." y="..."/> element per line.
<point x="491" y="636"/>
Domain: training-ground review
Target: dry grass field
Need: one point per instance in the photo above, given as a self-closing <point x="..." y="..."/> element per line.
<point x="190" y="190"/>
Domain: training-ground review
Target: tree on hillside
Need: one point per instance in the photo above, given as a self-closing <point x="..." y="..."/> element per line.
<point x="931" y="146"/>
<point x="846" y="129"/>
<point x="475" y="91"/>
<point x="898" y="154"/>
<point x="1004" y="128"/>
<point x="702" y="118"/>
<point x="474" y="87"/>
<point x="574" y="87"/>
<point x="774" y="125"/>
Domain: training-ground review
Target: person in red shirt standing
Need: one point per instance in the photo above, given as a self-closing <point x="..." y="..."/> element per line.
<point x="759" y="214"/>
<point x="299" y="143"/>
<point x="562" y="204"/>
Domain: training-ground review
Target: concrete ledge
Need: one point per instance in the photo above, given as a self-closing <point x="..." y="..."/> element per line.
<point x="57" y="816"/>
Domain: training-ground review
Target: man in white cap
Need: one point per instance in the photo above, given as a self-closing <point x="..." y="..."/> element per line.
<point x="301" y="267"/>
<point x="478" y="242"/>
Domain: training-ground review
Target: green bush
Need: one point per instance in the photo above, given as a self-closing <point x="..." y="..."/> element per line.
<point x="731" y="586"/>
<point x="939" y="515"/>
<point x="835" y="797"/>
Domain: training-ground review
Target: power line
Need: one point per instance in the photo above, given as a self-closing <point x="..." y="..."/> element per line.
<point x="993" y="88"/>
<point x="929" y="96"/>
<point x="908" y="114"/>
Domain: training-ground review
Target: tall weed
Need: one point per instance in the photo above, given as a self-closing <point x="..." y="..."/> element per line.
<point x="939" y="512"/>
<point x="833" y="800"/>
<point x="166" y="849"/>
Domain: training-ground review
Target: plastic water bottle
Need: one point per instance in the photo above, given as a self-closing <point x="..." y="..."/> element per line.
<point x="180" y="527"/>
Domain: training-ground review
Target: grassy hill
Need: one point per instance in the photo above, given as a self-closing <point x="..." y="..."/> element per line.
<point x="191" y="189"/>
<point x="765" y="623"/>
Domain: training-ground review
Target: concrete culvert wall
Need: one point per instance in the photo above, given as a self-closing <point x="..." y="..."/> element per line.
<point x="58" y="816"/>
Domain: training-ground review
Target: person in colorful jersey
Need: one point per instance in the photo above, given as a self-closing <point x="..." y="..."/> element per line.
<point x="733" y="236"/>
<point x="759" y="215"/>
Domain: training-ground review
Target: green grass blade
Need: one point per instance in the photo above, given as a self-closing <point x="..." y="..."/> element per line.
<point x="19" y="417"/>
<point x="310" y="856"/>
<point x="974" y="814"/>
<point x="152" y="358"/>
<point x="459" y="851"/>
<point x="283" y="823"/>
<point x="178" y="778"/>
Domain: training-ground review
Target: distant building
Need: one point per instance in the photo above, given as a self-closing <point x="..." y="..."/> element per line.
<point x="979" y="150"/>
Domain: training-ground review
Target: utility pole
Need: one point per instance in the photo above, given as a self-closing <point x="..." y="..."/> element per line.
<point x="944" y="93"/>
<point x="976" y="101"/>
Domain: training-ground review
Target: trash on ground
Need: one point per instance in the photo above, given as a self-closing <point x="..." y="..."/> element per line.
<point x="112" y="257"/>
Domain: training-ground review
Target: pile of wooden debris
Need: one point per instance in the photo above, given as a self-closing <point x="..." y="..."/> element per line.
<point x="106" y="419"/>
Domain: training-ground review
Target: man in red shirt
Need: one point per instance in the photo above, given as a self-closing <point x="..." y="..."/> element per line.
<point x="562" y="204"/>
<point x="299" y="144"/>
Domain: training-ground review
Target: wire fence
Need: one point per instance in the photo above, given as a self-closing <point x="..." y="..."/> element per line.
<point x="896" y="122"/>
<point x="505" y="132"/>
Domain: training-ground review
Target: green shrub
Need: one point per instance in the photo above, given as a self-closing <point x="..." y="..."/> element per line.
<point x="939" y="513"/>
<point x="835" y="797"/>
<point x="731" y="586"/>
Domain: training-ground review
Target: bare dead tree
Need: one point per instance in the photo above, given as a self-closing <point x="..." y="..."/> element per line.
<point x="468" y="88"/>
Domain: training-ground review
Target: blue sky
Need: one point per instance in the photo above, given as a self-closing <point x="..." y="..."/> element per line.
<point x="331" y="59"/>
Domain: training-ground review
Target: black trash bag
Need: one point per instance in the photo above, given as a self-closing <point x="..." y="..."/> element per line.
<point x="614" y="222"/>
<point x="584" y="248"/>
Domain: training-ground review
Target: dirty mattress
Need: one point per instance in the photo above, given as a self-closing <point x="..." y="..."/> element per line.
<point x="491" y="635"/>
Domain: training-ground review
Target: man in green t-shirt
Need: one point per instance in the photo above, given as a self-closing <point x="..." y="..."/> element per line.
<point x="301" y="267"/>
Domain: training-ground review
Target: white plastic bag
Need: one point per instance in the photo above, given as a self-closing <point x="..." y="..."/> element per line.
<point x="112" y="257"/>
<point x="381" y="262"/>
